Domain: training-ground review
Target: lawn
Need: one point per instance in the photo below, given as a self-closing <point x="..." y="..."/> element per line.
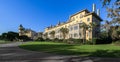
<point x="2" y="41"/>
<point x="106" y="50"/>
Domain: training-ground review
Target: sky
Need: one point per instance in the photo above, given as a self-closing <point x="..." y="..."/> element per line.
<point x="39" y="14"/>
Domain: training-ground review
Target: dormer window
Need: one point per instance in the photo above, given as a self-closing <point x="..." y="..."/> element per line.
<point x="81" y="21"/>
<point x="76" y="16"/>
<point x="81" y="15"/>
<point x="88" y="19"/>
<point x="72" y="19"/>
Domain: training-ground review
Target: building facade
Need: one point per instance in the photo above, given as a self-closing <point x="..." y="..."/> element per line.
<point x="27" y="32"/>
<point x="74" y="23"/>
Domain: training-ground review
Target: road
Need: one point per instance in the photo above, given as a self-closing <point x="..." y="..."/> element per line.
<point x="12" y="53"/>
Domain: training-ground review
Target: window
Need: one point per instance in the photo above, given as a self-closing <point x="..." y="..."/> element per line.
<point x="70" y="35"/>
<point x="80" y="34"/>
<point x="81" y="21"/>
<point x="75" y="27"/>
<point x="81" y="15"/>
<point x="72" y="19"/>
<point x="75" y="35"/>
<point x="88" y="19"/>
<point x="57" y="31"/>
<point x="71" y="28"/>
<point x="76" y="16"/>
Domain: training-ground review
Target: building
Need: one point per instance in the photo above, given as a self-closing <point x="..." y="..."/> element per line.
<point x="74" y="23"/>
<point x="27" y="32"/>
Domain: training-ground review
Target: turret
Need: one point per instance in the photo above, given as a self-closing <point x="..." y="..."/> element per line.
<point x="21" y="29"/>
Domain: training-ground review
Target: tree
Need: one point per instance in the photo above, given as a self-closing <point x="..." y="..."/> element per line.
<point x="85" y="27"/>
<point x="10" y="36"/>
<point x="40" y="34"/>
<point x="113" y="10"/>
<point x="0" y="37"/>
<point x="52" y="33"/>
<point x="24" y="38"/>
<point x="64" y="32"/>
<point x="46" y="35"/>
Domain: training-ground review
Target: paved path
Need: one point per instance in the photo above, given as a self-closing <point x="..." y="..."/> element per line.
<point x="11" y="53"/>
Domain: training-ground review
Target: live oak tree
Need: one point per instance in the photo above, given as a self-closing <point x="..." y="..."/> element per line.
<point x="113" y="10"/>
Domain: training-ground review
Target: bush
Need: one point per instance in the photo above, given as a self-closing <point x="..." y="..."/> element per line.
<point x="0" y="37"/>
<point x="24" y="38"/>
<point x="56" y="39"/>
<point x="47" y="39"/>
<point x="75" y="41"/>
<point x="117" y="43"/>
<point x="106" y="40"/>
<point x="89" y="42"/>
<point x="39" y="39"/>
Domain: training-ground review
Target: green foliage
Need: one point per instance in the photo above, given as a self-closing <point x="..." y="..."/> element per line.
<point x="52" y="33"/>
<point x="113" y="8"/>
<point x="106" y="2"/>
<point x="58" y="40"/>
<point x="64" y="32"/>
<point x="24" y="38"/>
<point x="75" y="41"/>
<point x="10" y="36"/>
<point x="0" y="37"/>
<point x="117" y="42"/>
<point x="94" y="41"/>
<point x="47" y="39"/>
<point x="89" y="42"/>
<point x="39" y="39"/>
<point x="46" y="35"/>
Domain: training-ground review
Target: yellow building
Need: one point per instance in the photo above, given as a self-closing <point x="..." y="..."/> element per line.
<point x="73" y="24"/>
<point x="27" y="32"/>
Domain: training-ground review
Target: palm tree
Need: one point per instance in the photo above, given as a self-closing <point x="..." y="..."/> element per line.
<point x="40" y="34"/>
<point x="46" y="35"/>
<point x="85" y="27"/>
<point x="91" y="27"/>
<point x="52" y="33"/>
<point x="64" y="32"/>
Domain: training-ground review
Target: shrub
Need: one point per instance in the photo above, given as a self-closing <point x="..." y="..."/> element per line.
<point x="94" y="41"/>
<point x="24" y="38"/>
<point x="56" y="40"/>
<point x="75" y="41"/>
<point x="106" y="40"/>
<point x="47" y="39"/>
<point x="60" y="40"/>
<point x="117" y="43"/>
<point x="39" y="39"/>
<point x="89" y="42"/>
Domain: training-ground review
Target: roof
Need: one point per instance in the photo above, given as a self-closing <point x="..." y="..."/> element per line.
<point x="80" y="12"/>
<point x="88" y="13"/>
<point x="94" y="15"/>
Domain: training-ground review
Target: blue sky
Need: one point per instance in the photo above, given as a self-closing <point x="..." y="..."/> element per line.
<point x="38" y="14"/>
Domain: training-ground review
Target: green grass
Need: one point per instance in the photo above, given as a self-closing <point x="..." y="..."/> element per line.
<point x="106" y="50"/>
<point x="2" y="41"/>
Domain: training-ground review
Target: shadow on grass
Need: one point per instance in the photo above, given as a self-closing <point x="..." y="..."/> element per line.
<point x="70" y="50"/>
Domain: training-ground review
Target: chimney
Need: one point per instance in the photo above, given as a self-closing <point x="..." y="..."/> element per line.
<point x="98" y="12"/>
<point x="94" y="7"/>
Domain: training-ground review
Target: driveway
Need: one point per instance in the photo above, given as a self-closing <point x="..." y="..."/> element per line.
<point x="12" y="53"/>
